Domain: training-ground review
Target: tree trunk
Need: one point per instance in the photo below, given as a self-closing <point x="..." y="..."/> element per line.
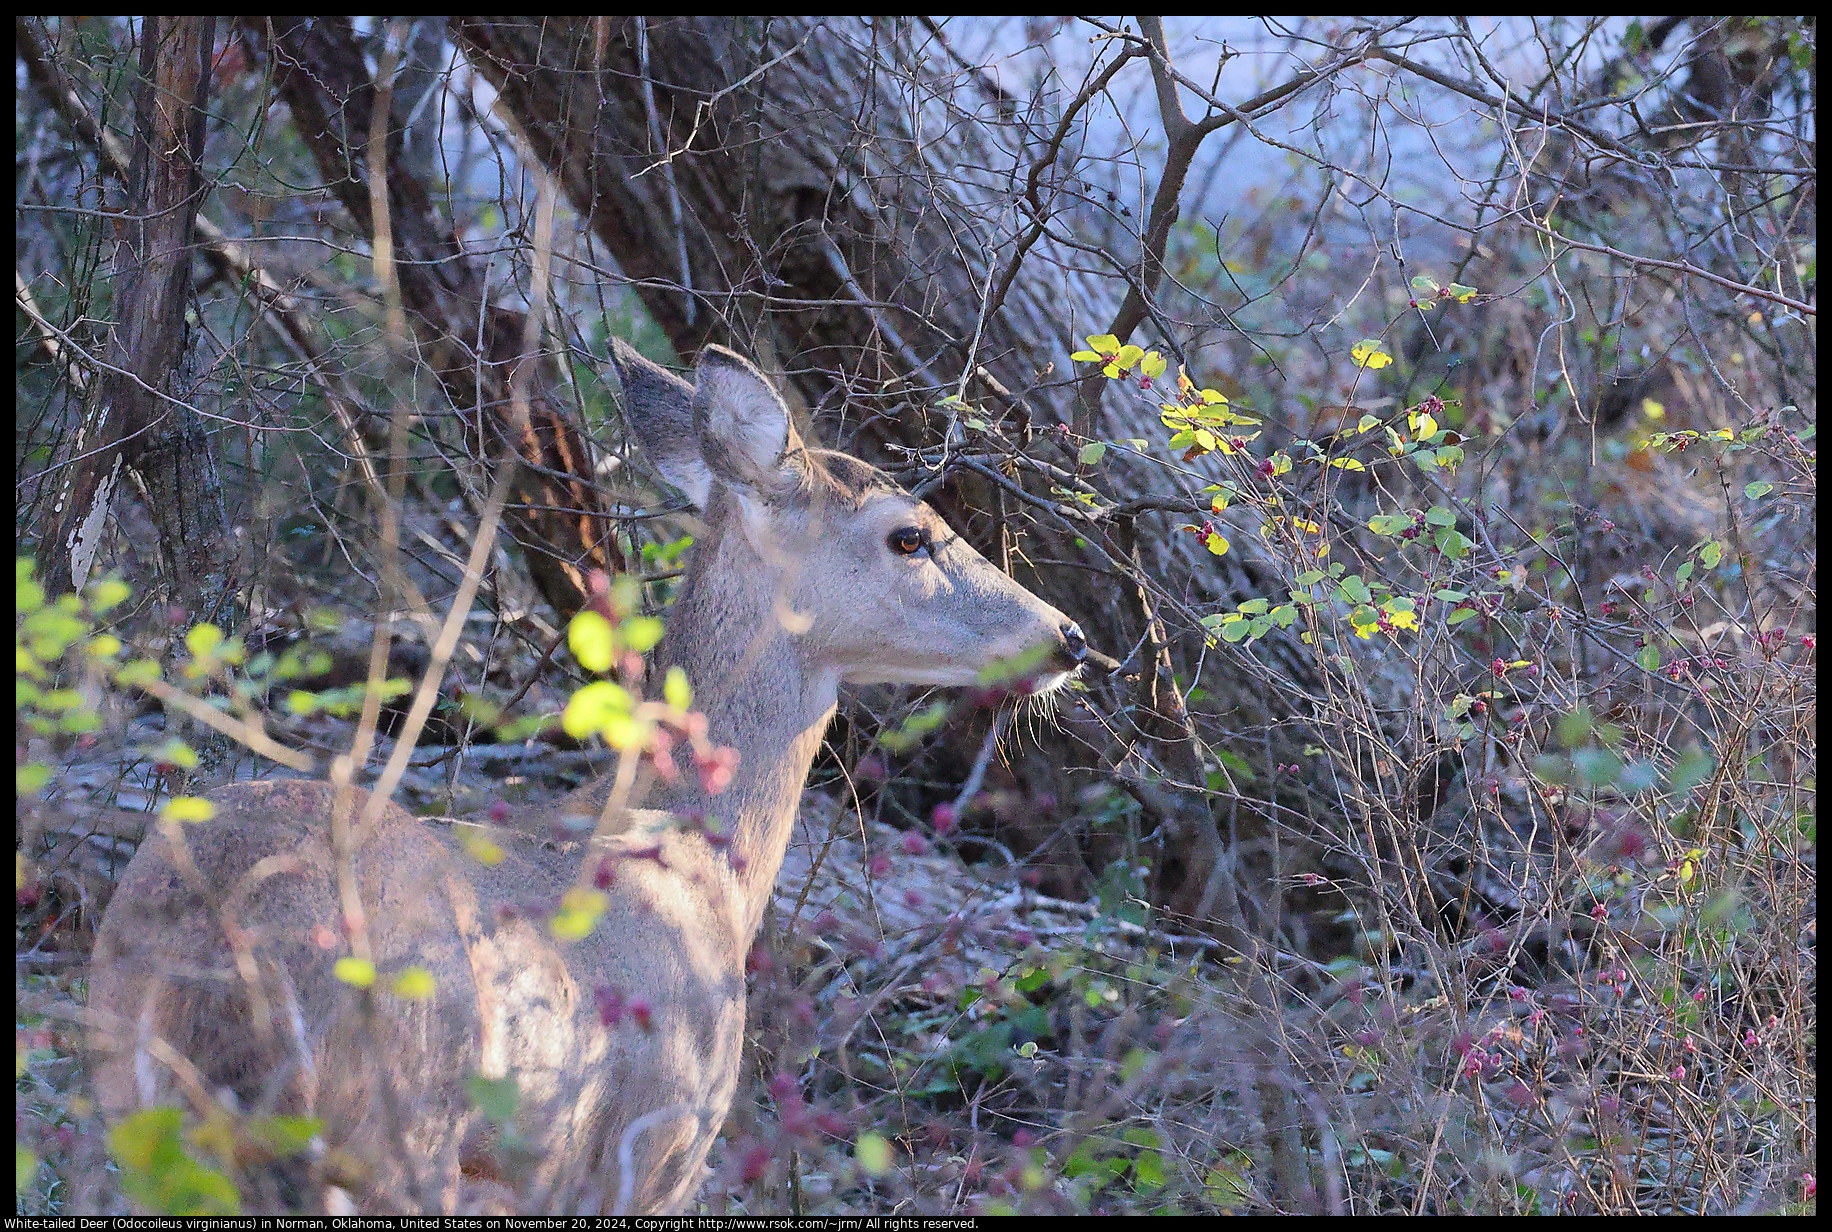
<point x="135" y="424"/>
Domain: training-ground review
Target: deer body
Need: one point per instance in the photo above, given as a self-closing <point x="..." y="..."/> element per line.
<point x="213" y="965"/>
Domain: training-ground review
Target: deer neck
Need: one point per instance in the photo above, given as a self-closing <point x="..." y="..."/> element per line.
<point x="761" y="696"/>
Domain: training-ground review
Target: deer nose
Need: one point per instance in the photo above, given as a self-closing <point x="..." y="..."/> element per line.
<point x="1073" y="648"/>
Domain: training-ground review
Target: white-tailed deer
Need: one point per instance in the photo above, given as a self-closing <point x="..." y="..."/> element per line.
<point x="213" y="966"/>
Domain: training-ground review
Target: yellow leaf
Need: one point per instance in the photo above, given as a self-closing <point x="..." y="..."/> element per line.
<point x="1216" y="543"/>
<point x="1152" y="365"/>
<point x="1688" y="865"/>
<point x="188" y="808"/>
<point x="414" y="984"/>
<point x="1367" y="354"/>
<point x="108" y="593"/>
<point x="202" y="639"/>
<point x="626" y="733"/>
<point x="593" y="707"/>
<point x="676" y="691"/>
<point x="873" y="1153"/>
<point x="592" y="641"/>
<point x="177" y="752"/>
<point x="1347" y="464"/>
<point x="579" y="911"/>
<point x="480" y="847"/>
<point x="640" y="633"/>
<point x="356" y="972"/>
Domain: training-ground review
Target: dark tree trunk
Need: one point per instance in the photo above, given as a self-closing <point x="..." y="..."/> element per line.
<point x="136" y="423"/>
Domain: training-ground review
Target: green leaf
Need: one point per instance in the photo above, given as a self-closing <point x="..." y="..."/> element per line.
<point x="1032" y="980"/>
<point x="496" y="1098"/>
<point x="1648" y="657"/>
<point x="1596" y="767"/>
<point x="1711" y="552"/>
<point x="284" y="1135"/>
<point x="1693" y="767"/>
<point x="1091" y="453"/>
<point x="1148" y="1171"/>
<point x="1760" y="487"/>
<point x="1639" y="776"/>
<point x="1452" y="543"/>
<point x="157" y="1173"/>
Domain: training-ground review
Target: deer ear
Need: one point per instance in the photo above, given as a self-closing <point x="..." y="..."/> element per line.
<point x="658" y="406"/>
<point x="746" y="436"/>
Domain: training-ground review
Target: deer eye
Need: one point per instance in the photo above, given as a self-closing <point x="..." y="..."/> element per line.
<point x="908" y="540"/>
